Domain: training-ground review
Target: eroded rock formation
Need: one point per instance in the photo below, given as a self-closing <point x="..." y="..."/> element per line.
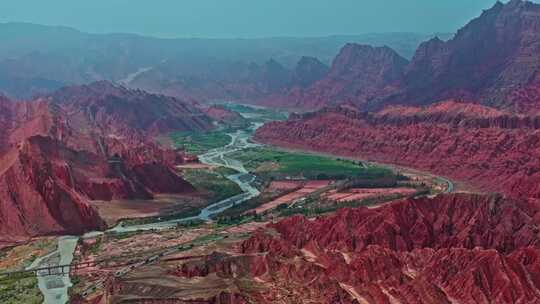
<point x="458" y="248"/>
<point x="85" y="143"/>
<point x="493" y="150"/>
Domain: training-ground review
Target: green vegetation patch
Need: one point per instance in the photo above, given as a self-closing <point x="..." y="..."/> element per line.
<point x="238" y="212"/>
<point x="23" y="291"/>
<point x="212" y="182"/>
<point x="225" y="171"/>
<point x="315" y="207"/>
<point x="200" y="142"/>
<point x="296" y="164"/>
<point x="96" y="247"/>
<point x="223" y="222"/>
<point x="22" y="288"/>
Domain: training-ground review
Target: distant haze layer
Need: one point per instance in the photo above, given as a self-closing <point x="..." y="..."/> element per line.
<point x="247" y="18"/>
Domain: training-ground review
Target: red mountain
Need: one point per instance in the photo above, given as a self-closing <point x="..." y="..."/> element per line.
<point x="454" y="248"/>
<point x="494" y="150"/>
<point x="84" y="143"/>
<point x="493" y="59"/>
<point x="359" y="73"/>
<point x="108" y="105"/>
<point x="459" y="248"/>
<point x="308" y="71"/>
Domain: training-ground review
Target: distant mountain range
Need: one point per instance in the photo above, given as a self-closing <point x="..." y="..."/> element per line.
<point x="493" y="60"/>
<point x="36" y="59"/>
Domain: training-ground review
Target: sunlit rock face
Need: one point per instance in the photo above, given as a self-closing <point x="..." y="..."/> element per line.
<point x="85" y="143"/>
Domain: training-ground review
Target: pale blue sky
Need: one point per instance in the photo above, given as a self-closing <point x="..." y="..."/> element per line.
<point x="246" y="18"/>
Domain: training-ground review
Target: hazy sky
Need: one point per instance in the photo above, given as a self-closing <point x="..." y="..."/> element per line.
<point x="246" y="18"/>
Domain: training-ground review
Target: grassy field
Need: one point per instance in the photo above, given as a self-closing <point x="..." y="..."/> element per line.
<point x="212" y="182"/>
<point x="199" y="143"/>
<point x="202" y="142"/>
<point x="272" y="162"/>
<point x="23" y="290"/>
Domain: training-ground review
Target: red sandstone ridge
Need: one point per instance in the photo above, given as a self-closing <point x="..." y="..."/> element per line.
<point x="458" y="248"/>
<point x="56" y="154"/>
<point x="492" y="149"/>
<point x="451" y="249"/>
<point x="115" y="107"/>
<point x="448" y="221"/>
<point x="35" y="199"/>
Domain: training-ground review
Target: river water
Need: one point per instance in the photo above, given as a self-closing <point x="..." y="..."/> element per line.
<point x="55" y="287"/>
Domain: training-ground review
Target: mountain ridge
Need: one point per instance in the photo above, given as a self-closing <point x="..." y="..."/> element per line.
<point x="60" y="152"/>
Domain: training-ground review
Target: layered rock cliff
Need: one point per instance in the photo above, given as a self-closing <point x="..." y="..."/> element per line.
<point x="88" y="143"/>
<point x="493" y="150"/>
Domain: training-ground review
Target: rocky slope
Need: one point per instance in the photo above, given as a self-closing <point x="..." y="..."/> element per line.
<point x="492" y="59"/>
<point x="221" y="114"/>
<point x="358" y="74"/>
<point x="458" y="248"/>
<point x="244" y="81"/>
<point x="107" y="105"/>
<point x="494" y="150"/>
<point x="308" y="71"/>
<point x="81" y="144"/>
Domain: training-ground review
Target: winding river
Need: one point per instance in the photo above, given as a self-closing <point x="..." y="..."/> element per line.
<point x="55" y="287"/>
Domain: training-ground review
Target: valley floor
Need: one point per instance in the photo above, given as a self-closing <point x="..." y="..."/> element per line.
<point x="283" y="183"/>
